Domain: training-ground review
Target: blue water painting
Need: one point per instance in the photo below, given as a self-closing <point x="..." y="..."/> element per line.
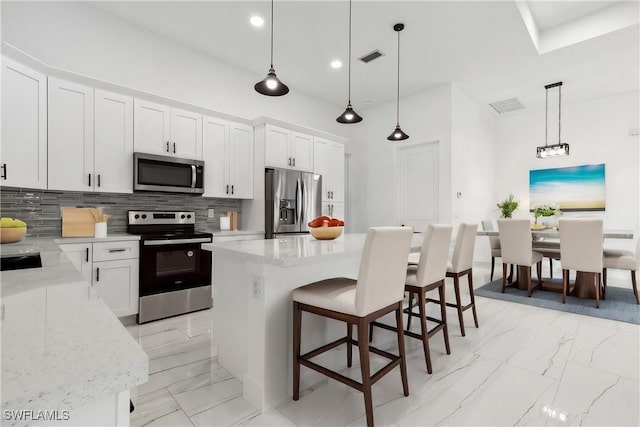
<point x="577" y="188"/>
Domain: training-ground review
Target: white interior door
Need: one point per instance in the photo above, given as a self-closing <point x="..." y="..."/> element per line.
<point x="417" y="193"/>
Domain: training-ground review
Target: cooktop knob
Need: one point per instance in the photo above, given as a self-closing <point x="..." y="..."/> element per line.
<point x="189" y="216"/>
<point x="136" y="216"/>
<point x="144" y="216"/>
<point x="182" y="216"/>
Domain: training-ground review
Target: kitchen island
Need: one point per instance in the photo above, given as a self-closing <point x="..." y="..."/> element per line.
<point x="252" y="285"/>
<point x="65" y="355"/>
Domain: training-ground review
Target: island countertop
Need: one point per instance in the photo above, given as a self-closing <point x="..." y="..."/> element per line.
<point x="296" y="250"/>
<point x="62" y="347"/>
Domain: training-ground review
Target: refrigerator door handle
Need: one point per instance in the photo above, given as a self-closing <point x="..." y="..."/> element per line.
<point x="303" y="193"/>
<point x="298" y="201"/>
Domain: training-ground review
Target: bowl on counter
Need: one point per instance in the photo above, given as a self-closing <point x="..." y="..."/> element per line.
<point x="12" y="235"/>
<point x="326" y="233"/>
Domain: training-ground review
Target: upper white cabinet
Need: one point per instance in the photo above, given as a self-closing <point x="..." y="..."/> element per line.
<point x="24" y="126"/>
<point x="288" y="149"/>
<point x="70" y="149"/>
<point x="228" y="155"/>
<point x="159" y="129"/>
<point x="329" y="162"/>
<point x="113" y="152"/>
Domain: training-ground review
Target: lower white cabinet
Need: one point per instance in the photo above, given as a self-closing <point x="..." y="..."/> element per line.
<point x="117" y="284"/>
<point x="81" y="256"/>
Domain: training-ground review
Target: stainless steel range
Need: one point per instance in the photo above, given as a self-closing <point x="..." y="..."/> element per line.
<point x="175" y="272"/>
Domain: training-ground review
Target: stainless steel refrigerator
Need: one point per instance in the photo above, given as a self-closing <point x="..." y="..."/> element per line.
<point x="292" y="199"/>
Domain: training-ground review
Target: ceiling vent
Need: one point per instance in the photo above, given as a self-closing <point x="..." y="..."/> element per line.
<point x="371" y="56"/>
<point x="507" y="105"/>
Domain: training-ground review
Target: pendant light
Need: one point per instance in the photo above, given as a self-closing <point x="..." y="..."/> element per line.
<point x="398" y="134"/>
<point x="349" y="116"/>
<point x="271" y="85"/>
<point x="560" y="149"/>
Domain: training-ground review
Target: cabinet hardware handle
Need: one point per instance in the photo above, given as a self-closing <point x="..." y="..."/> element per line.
<point x="332" y="194"/>
<point x="289" y="161"/>
<point x="294" y="161"/>
<point x="328" y="194"/>
<point x="117" y="250"/>
<point x="232" y="189"/>
<point x="174" y="148"/>
<point x="89" y="180"/>
<point x="98" y="180"/>
<point x="86" y="258"/>
<point x="4" y="171"/>
<point x="227" y="188"/>
<point x="98" y="274"/>
<point x="167" y="146"/>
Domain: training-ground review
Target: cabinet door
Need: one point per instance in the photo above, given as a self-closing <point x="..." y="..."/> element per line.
<point x="277" y="148"/>
<point x="113" y="142"/>
<point x="70" y="150"/>
<point x="241" y="161"/>
<point x="334" y="210"/>
<point x="186" y="134"/>
<point x="216" y="158"/>
<point x="81" y="256"/>
<point x="117" y="284"/>
<point x="24" y="126"/>
<point x="301" y="150"/>
<point x="337" y="173"/>
<point x="151" y="128"/>
<point x="322" y="165"/>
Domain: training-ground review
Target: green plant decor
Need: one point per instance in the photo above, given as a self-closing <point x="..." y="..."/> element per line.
<point x="507" y="206"/>
<point x="546" y="210"/>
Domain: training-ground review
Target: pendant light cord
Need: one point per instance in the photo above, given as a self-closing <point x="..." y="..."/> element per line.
<point x="546" y="118"/>
<point x="559" y="110"/>
<point x="272" y="34"/>
<point x="349" y="52"/>
<point x="398" y="86"/>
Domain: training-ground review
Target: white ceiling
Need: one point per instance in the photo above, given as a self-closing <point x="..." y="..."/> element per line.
<point x="484" y="47"/>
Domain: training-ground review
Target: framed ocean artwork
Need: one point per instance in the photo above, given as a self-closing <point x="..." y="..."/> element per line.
<point x="576" y="188"/>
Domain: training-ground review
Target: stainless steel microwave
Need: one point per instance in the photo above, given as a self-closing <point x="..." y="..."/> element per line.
<point x="164" y="173"/>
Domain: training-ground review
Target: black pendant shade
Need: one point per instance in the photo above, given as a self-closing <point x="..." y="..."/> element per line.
<point x="349" y="116"/>
<point x="398" y="134"/>
<point x="271" y="85"/>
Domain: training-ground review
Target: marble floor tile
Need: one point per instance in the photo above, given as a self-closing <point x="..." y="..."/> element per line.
<point x="174" y="419"/>
<point x="271" y="418"/>
<point x="234" y="412"/>
<point x="153" y="406"/>
<point x="203" y="398"/>
<point x="173" y="376"/>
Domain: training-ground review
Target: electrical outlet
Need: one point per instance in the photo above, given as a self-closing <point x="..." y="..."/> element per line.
<point x="210" y="213"/>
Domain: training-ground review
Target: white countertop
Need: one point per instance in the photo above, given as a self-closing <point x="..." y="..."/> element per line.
<point x="237" y="233"/>
<point x="552" y="233"/>
<point x="62" y="347"/>
<point x="50" y="244"/>
<point x="296" y="250"/>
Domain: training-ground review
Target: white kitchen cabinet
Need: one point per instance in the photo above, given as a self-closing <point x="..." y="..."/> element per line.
<point x="117" y="284"/>
<point x="328" y="161"/>
<point x="81" y="256"/>
<point x="288" y="149"/>
<point x="70" y="148"/>
<point x="160" y="129"/>
<point x="334" y="210"/>
<point x="113" y="144"/>
<point x="228" y="153"/>
<point x="24" y="126"/>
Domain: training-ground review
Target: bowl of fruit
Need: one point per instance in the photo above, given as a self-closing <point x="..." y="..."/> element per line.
<point x="12" y="230"/>
<point x="325" y="228"/>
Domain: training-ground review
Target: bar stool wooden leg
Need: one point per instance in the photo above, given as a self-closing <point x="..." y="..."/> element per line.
<point x="363" y="346"/>
<point x="596" y="278"/>
<point x="422" y="303"/>
<point x="410" y="311"/>
<point x="401" y="350"/>
<point x="565" y="284"/>
<point x="443" y="316"/>
<point x="297" y="332"/>
<point x="473" y="297"/>
<point x="493" y="264"/>
<point x="349" y="345"/>
<point x="456" y="288"/>
<point x="635" y="286"/>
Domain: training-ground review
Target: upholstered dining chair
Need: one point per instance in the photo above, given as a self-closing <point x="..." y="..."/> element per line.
<point x="427" y="276"/>
<point x="378" y="290"/>
<point x="515" y="240"/>
<point x="494" y="244"/>
<point x="622" y="260"/>
<point x="581" y="250"/>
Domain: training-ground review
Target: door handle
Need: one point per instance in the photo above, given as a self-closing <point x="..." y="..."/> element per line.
<point x="98" y="274"/>
<point x="294" y="161"/>
<point x="231" y="189"/>
<point x="328" y="194"/>
<point x="115" y="250"/>
<point x="193" y="171"/>
<point x="174" y="148"/>
<point x="167" y="146"/>
<point x="98" y="180"/>
<point x="86" y="258"/>
<point x="289" y="161"/>
<point x="227" y="188"/>
<point x="89" y="180"/>
<point x="4" y="171"/>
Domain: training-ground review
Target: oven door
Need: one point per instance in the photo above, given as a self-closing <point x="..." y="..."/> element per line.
<point x="173" y="265"/>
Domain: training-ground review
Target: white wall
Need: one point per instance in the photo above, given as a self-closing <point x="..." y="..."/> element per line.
<point x="426" y="118"/>
<point x="79" y="38"/>
<point x="598" y="132"/>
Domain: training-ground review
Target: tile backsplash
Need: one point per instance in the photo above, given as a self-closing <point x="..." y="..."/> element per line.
<point x="40" y="209"/>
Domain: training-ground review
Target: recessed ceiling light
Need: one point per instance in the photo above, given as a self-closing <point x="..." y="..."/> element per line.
<point x="336" y="64"/>
<point x="256" y="21"/>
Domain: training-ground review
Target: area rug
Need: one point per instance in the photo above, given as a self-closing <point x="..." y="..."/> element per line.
<point x="620" y="303"/>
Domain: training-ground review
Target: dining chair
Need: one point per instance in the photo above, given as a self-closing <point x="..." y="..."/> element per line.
<point x="427" y="276"/>
<point x="515" y="240"/>
<point x="379" y="290"/>
<point x="494" y="245"/>
<point x="549" y="249"/>
<point x="581" y="250"/>
<point x="622" y="260"/>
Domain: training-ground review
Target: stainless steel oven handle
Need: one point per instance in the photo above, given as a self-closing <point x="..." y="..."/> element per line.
<point x="193" y="176"/>
<point x="176" y="241"/>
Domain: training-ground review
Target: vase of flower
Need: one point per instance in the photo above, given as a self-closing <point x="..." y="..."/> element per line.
<point x="549" y="213"/>
<point x="508" y="206"/>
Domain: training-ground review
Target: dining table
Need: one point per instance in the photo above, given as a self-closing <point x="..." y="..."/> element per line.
<point x="543" y="242"/>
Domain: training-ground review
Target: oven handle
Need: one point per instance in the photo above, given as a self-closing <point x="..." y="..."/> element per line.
<point x="176" y="241"/>
<point x="193" y="176"/>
